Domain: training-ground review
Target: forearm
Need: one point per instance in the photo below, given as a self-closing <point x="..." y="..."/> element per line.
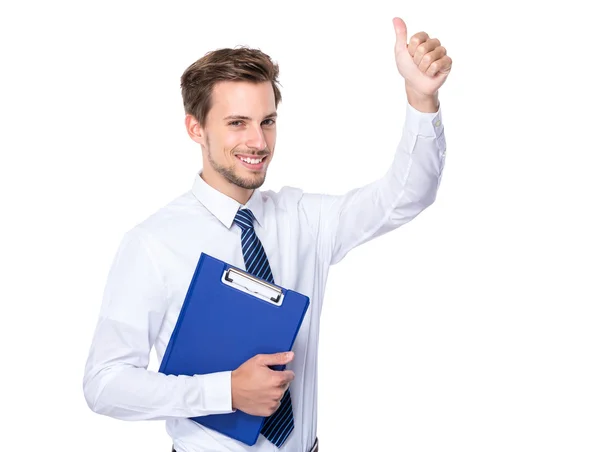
<point x="117" y="383"/>
<point x="410" y="184"/>
<point x="130" y="393"/>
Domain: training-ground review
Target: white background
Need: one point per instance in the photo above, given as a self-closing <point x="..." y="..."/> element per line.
<point x="474" y="328"/>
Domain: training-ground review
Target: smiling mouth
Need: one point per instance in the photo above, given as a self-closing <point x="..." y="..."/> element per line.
<point x="251" y="160"/>
<point x="256" y="163"/>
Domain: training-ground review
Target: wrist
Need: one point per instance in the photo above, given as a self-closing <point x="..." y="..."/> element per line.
<point x="425" y="103"/>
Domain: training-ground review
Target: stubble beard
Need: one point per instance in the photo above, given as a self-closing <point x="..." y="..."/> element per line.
<point x="229" y="174"/>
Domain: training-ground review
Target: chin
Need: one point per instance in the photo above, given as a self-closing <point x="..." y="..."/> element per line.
<point x="249" y="182"/>
<point x="256" y="182"/>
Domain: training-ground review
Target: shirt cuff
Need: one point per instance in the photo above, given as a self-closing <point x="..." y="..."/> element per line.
<point x="424" y="124"/>
<point x="217" y="391"/>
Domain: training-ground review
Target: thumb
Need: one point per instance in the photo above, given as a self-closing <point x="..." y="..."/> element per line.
<point x="400" y="28"/>
<point x="277" y="358"/>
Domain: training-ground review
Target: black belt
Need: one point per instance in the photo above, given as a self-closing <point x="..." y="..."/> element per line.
<point x="314" y="448"/>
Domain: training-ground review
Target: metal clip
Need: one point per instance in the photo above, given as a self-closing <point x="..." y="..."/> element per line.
<point x="253" y="285"/>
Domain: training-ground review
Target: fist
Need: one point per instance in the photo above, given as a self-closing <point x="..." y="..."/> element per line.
<point x="423" y="61"/>
<point x="258" y="390"/>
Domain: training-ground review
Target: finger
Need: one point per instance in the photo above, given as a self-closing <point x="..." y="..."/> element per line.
<point x="400" y="29"/>
<point x="274" y="406"/>
<point x="285" y="377"/>
<point x="424" y="48"/>
<point x="279" y="379"/>
<point x="443" y="65"/>
<point x="276" y="358"/>
<point x="431" y="57"/>
<point x="416" y="40"/>
<point x="278" y="396"/>
<point x="285" y="383"/>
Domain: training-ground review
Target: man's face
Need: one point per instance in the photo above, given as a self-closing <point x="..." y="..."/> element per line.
<point x="240" y="132"/>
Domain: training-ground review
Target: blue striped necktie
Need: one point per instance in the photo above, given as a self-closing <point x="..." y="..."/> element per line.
<point x="280" y="424"/>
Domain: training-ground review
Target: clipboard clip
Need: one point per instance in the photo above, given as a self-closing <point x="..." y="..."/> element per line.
<point x="250" y="284"/>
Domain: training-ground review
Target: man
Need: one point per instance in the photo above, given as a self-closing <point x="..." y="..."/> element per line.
<point x="289" y="237"/>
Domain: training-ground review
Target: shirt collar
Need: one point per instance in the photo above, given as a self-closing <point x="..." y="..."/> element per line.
<point x="222" y="206"/>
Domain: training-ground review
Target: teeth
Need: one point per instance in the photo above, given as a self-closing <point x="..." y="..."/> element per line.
<point x="252" y="161"/>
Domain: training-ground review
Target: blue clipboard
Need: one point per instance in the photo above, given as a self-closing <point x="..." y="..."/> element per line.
<point x="227" y="317"/>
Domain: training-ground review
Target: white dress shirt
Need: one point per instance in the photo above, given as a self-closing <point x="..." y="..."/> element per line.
<point x="302" y="234"/>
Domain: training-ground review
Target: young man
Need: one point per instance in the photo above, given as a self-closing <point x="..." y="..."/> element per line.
<point x="289" y="238"/>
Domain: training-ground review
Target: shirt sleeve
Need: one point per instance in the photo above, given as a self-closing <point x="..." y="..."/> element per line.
<point x="117" y="381"/>
<point x="342" y="222"/>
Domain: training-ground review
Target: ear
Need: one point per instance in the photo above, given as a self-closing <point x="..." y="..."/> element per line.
<point x="194" y="130"/>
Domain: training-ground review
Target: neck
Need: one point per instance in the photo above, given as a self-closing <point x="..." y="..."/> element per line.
<point x="218" y="182"/>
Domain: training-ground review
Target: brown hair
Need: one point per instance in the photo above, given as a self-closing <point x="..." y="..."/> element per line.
<point x="238" y="64"/>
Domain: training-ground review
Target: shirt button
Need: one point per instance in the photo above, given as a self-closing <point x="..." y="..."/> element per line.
<point x="437" y="123"/>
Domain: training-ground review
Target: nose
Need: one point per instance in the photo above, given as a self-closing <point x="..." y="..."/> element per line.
<point x="256" y="138"/>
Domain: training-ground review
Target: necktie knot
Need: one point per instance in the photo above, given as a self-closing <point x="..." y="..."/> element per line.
<point x="244" y="218"/>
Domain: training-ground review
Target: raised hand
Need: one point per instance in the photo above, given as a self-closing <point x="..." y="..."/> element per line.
<point x="256" y="389"/>
<point x="422" y="62"/>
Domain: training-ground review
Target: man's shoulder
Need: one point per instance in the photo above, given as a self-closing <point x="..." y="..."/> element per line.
<point x="283" y="197"/>
<point x="293" y="198"/>
<point x="169" y="218"/>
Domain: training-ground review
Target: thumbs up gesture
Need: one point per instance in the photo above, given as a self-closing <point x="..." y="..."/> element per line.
<point x="422" y="62"/>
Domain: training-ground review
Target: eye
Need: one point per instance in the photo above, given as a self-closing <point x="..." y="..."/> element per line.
<point x="235" y="123"/>
<point x="269" y="122"/>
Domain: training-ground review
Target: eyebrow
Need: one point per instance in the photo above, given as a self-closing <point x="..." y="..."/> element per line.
<point x="271" y="115"/>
